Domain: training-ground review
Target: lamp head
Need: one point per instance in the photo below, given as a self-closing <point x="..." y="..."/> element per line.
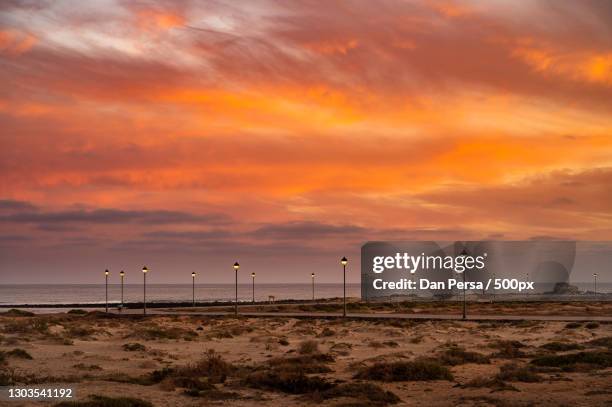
<point x="145" y="270"/>
<point x="236" y="266"/>
<point x="594" y="274"/>
<point x="253" y="275"/>
<point x="122" y="273"/>
<point x="344" y="261"/>
<point x="106" y="272"/>
<point x="193" y="274"/>
<point x="312" y="275"/>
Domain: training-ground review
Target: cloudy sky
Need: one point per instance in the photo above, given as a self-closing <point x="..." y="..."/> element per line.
<point x="186" y="135"/>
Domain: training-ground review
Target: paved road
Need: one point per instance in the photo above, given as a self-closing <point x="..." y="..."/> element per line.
<point x="568" y="318"/>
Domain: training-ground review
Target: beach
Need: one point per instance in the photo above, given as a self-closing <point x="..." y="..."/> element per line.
<point x="189" y="360"/>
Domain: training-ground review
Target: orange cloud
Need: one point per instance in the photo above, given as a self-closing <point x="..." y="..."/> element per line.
<point x="577" y="65"/>
<point x="14" y="42"/>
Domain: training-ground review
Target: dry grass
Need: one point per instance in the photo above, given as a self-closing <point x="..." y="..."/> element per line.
<point x="416" y="370"/>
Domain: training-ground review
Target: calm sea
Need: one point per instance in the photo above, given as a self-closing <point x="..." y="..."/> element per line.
<point x="95" y="293"/>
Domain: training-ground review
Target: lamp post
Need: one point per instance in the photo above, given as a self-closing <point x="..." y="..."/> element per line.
<point x="312" y="277"/>
<point x="253" y="277"/>
<point x="122" y="274"/>
<point x="106" y="287"/>
<point x="193" y="274"/>
<point x="344" y="261"/>
<point x="595" y="277"/>
<point x="145" y="270"/>
<point x="236" y="267"/>
<point x="463" y="254"/>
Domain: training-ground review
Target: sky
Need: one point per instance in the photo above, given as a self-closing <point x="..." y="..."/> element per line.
<point x="186" y="135"/>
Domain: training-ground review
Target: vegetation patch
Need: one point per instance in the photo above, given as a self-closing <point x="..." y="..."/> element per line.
<point x="134" y="347"/>
<point x="518" y="373"/>
<point x="374" y="394"/>
<point x="287" y="382"/>
<point x="14" y="312"/>
<point x="16" y="353"/>
<point x="157" y="332"/>
<point x="308" y="347"/>
<point x="455" y="355"/>
<point x="416" y="370"/>
<point x="508" y="349"/>
<point x="561" y="346"/>
<point x="576" y="361"/>
<point x="102" y="401"/>
<point x="77" y="312"/>
<point x="311" y="363"/>
<point x="605" y="342"/>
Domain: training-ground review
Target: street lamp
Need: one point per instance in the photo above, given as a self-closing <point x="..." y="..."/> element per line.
<point x="253" y="277"/>
<point x="122" y="274"/>
<point x="463" y="254"/>
<point x="312" y="276"/>
<point x="344" y="261"/>
<point x="595" y="277"/>
<point x="145" y="270"/>
<point x="236" y="267"/>
<point x="193" y="274"/>
<point x="106" y="287"/>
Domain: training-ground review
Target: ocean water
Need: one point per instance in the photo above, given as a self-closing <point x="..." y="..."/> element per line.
<point x="57" y="294"/>
<point x="95" y="293"/>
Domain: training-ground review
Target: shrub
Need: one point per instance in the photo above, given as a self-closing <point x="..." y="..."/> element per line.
<point x="508" y="349"/>
<point x="283" y="342"/>
<point x="515" y="373"/>
<point x="288" y="382"/>
<point x="605" y="341"/>
<point x="417" y="370"/>
<point x="374" y="394"/>
<point x="456" y="355"/>
<point x="314" y="363"/>
<point x="102" y="401"/>
<point x="592" y="325"/>
<point x="573" y="325"/>
<point x="19" y="353"/>
<point x="570" y="362"/>
<point x="212" y="366"/>
<point x="77" y="312"/>
<point x="134" y="347"/>
<point x="13" y="312"/>
<point x="326" y="332"/>
<point x="561" y="346"/>
<point x="308" y="347"/>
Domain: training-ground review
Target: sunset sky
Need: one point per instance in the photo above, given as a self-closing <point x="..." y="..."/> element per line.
<point x="186" y="135"/>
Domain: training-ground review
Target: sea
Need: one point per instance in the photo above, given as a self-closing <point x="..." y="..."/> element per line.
<point x="58" y="294"/>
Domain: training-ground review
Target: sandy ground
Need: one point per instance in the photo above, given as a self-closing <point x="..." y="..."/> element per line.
<point x="88" y="350"/>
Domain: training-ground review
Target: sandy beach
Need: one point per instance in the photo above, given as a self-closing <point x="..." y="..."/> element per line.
<point x="182" y="360"/>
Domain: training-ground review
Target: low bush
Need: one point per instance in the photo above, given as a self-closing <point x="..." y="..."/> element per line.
<point x="561" y="346"/>
<point x="573" y="325"/>
<point x="77" y="312"/>
<point x="508" y="349"/>
<point x="18" y="353"/>
<point x="13" y="312"/>
<point x="575" y="361"/>
<point x="134" y="347"/>
<point x="374" y="394"/>
<point x="308" y="347"/>
<point x="287" y="382"/>
<point x="312" y="363"/>
<point x="456" y="355"/>
<point x="417" y="370"/>
<point x="102" y="401"/>
<point x="518" y="373"/>
<point x="606" y="341"/>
